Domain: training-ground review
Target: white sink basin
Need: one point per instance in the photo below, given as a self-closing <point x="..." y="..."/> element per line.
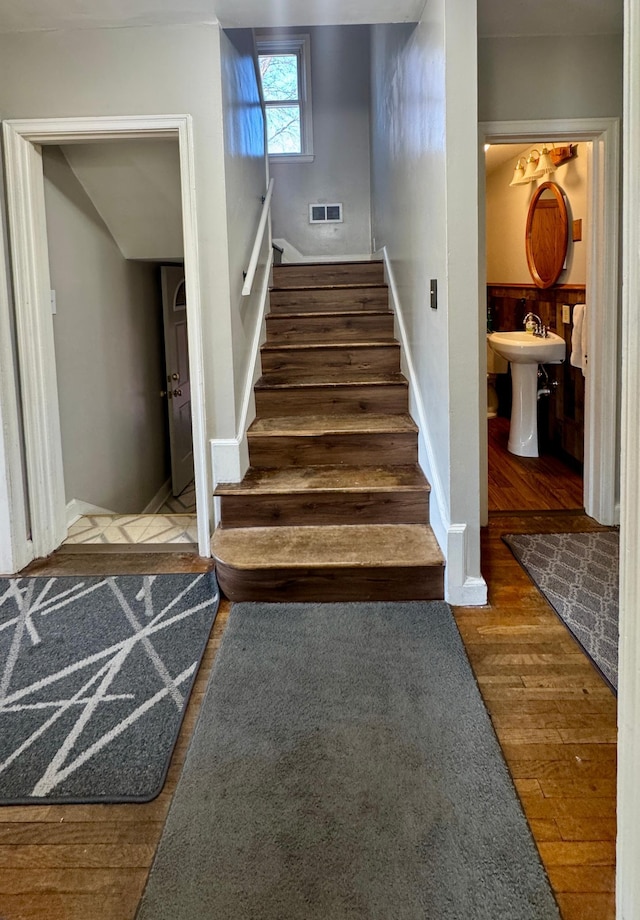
<point x="525" y="352"/>
<point x="525" y="348"/>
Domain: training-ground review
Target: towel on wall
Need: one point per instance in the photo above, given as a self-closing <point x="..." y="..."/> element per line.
<point x="579" y="338"/>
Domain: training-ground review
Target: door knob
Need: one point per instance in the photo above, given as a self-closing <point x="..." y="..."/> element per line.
<point x="166" y="393"/>
<point x="175" y="376"/>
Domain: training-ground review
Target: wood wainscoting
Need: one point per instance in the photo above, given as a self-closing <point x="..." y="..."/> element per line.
<point x="561" y="415"/>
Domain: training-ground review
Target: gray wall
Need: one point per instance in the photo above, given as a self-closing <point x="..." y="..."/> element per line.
<point x="550" y="77"/>
<point x="340" y="170"/>
<point x="109" y="359"/>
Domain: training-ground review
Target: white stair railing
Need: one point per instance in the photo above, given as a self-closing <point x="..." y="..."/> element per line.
<point x="250" y="273"/>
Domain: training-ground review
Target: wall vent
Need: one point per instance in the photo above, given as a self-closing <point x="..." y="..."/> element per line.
<point x="325" y="213"/>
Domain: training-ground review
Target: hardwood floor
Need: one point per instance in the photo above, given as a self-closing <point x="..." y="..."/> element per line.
<point x="528" y="483"/>
<point x="553" y="714"/>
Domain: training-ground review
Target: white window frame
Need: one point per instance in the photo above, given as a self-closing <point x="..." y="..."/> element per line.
<point x="300" y="45"/>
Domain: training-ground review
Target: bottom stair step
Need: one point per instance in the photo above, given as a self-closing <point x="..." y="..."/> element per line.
<point x="329" y="563"/>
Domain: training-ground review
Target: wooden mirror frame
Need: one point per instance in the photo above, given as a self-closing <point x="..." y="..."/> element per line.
<point x="559" y="243"/>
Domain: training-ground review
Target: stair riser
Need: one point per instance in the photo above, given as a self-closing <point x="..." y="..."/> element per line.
<point x="333" y="583"/>
<point x="308" y="362"/>
<point x="377" y="328"/>
<point x="370" y="449"/>
<point x="329" y="300"/>
<point x="303" y="509"/>
<point x="376" y="400"/>
<point x="288" y="276"/>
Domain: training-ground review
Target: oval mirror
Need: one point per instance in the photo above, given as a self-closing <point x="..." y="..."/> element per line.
<point x="546" y="234"/>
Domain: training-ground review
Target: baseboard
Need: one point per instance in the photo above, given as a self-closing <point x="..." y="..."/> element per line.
<point x="77" y="509"/>
<point x="158" y="499"/>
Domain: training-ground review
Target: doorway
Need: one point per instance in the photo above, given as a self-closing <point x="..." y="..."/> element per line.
<point x="44" y="468"/>
<point x="545" y="473"/>
<point x="601" y="426"/>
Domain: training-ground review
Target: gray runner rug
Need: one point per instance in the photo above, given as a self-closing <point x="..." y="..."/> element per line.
<point x="344" y="767"/>
<point x="578" y="575"/>
<point x="95" y="675"/>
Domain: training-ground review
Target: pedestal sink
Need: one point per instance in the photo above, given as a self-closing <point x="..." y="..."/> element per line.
<point x="525" y="352"/>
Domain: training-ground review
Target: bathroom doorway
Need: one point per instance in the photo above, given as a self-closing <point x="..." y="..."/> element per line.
<point x="552" y="480"/>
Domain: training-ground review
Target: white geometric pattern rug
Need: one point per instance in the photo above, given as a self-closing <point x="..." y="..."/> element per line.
<point x="95" y="675"/>
<point x="578" y="575"/>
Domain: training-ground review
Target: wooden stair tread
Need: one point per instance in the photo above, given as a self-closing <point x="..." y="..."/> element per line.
<point x="366" y="545"/>
<point x="327" y="479"/>
<point x="323" y="346"/>
<point x="347" y="378"/>
<point x="335" y="286"/>
<point x="328" y="314"/>
<point x="316" y="425"/>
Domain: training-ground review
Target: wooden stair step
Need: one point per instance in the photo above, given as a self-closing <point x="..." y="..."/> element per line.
<point x="329" y="563"/>
<point x="306" y="359"/>
<point x="326" y="495"/>
<point x="353" y="391"/>
<point x="325" y="274"/>
<point x="369" y="297"/>
<point x="320" y="440"/>
<point x="334" y="326"/>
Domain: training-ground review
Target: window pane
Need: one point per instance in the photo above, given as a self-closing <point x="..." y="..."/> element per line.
<point x="283" y="129"/>
<point x="279" y="77"/>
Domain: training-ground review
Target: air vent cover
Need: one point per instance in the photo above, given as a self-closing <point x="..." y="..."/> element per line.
<point x="325" y="213"/>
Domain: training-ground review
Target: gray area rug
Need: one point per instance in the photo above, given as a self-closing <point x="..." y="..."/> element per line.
<point x="344" y="767"/>
<point x="578" y="575"/>
<point x="95" y="675"/>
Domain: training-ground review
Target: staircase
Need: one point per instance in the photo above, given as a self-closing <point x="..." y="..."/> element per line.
<point x="334" y="506"/>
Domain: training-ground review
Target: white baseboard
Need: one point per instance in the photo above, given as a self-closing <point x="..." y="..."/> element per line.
<point x="77" y="509"/>
<point x="158" y="499"/>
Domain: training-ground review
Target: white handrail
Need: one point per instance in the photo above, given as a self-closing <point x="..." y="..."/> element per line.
<point x="257" y="246"/>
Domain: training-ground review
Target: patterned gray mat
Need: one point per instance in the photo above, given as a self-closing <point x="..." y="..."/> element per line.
<point x="95" y="675"/>
<point x="578" y="574"/>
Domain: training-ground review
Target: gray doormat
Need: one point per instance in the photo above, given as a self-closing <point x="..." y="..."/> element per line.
<point x="95" y="675"/>
<point x="344" y="767"/>
<point x="578" y="575"/>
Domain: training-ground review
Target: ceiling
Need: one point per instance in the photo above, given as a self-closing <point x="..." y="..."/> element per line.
<point x="495" y="17"/>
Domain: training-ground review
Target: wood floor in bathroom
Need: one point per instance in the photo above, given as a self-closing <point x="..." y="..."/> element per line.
<point x="528" y="483"/>
<point x="554" y="716"/>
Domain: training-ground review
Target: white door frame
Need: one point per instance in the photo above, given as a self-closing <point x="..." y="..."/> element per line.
<point x="602" y="404"/>
<point x="628" y="839"/>
<point x="34" y="327"/>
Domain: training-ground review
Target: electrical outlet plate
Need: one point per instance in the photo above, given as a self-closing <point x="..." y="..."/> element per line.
<point x="566" y="313"/>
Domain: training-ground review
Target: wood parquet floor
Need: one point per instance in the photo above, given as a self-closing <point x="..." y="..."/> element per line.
<point x="553" y="714"/>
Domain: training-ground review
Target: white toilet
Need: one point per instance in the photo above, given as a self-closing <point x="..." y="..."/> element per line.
<point x="496" y="364"/>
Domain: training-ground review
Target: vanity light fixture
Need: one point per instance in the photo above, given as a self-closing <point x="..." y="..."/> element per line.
<point x="539" y="165"/>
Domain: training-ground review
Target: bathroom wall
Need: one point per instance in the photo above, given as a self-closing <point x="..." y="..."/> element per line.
<point x="507" y="208"/>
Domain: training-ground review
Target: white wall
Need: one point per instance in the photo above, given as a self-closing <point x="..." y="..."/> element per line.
<point x="340" y="169"/>
<point x="424" y="191"/>
<point x="135" y="188"/>
<point x="246" y="184"/>
<point x="507" y="208"/>
<point x="142" y="71"/>
<point x="576" y="76"/>
<point x="109" y="353"/>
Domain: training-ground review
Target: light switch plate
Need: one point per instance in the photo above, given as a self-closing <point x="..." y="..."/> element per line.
<point x="566" y="313"/>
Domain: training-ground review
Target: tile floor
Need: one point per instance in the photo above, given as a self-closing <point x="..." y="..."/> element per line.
<point x="174" y="523"/>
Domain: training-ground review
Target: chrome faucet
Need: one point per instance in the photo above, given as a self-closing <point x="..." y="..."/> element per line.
<point x="540" y="329"/>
